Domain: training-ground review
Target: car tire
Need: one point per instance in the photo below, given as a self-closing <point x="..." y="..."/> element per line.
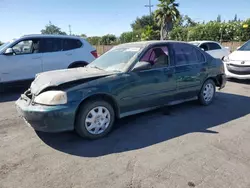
<point x="95" y="119"/>
<point x="207" y="92"/>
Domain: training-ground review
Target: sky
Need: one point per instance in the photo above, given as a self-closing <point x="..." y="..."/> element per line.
<point x="100" y="17"/>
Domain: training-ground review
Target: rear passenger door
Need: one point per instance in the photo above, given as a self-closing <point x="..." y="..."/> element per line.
<point x="73" y="49"/>
<point x="53" y="55"/>
<point x="190" y="69"/>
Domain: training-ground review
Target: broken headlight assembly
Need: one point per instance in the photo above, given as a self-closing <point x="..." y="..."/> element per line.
<point x="51" y="98"/>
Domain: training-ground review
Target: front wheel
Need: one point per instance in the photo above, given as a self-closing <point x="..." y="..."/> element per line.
<point x="207" y="92"/>
<point x="95" y="119"/>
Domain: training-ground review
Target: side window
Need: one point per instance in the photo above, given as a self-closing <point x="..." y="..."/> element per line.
<point x="52" y="45"/>
<point x="213" y="46"/>
<point x="146" y="57"/>
<point x="204" y="47"/>
<point x="158" y="56"/>
<point x="27" y="47"/>
<point x="184" y="54"/>
<point x="70" y="44"/>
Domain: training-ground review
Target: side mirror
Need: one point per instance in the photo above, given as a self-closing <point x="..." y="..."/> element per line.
<point x="203" y="49"/>
<point x="9" y="51"/>
<point x="142" y="65"/>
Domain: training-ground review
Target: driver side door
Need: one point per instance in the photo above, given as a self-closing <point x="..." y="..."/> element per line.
<point x="149" y="88"/>
<point x="24" y="64"/>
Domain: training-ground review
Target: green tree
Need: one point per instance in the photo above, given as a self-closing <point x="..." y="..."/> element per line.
<point x="141" y="22"/>
<point x="149" y="33"/>
<point x="166" y="13"/>
<point x="127" y="37"/>
<point x="244" y="32"/>
<point x="218" y="18"/>
<point x="108" y="39"/>
<point x="52" y="29"/>
<point x="95" y="40"/>
<point x="185" y="21"/>
<point x="179" y="33"/>
<point x="235" y="18"/>
<point x="83" y="36"/>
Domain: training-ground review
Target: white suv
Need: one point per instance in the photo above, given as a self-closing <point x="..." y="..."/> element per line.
<point x="22" y="59"/>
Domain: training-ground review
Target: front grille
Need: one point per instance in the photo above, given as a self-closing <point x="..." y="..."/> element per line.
<point x="238" y="69"/>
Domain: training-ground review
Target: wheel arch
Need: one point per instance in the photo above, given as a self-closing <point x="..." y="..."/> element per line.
<point x="103" y="96"/>
<point x="216" y="80"/>
<point x="77" y="64"/>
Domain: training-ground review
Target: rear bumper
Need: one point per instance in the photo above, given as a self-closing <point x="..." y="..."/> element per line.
<point x="47" y="118"/>
<point x="221" y="81"/>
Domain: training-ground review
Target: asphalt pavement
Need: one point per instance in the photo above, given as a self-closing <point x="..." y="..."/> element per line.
<point x="192" y="146"/>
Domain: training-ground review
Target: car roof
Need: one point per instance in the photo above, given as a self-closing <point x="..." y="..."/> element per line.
<point x="202" y="41"/>
<point x="147" y="43"/>
<point x="51" y="36"/>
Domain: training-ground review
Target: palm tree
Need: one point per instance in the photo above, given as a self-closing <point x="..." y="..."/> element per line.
<point x="165" y="15"/>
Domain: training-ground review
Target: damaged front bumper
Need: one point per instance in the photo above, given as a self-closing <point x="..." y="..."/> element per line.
<point x="47" y="118"/>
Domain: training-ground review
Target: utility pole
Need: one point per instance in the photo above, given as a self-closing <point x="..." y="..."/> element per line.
<point x="150" y="7"/>
<point x="69" y="29"/>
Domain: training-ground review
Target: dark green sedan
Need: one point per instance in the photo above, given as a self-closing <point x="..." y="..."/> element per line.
<point x="129" y="79"/>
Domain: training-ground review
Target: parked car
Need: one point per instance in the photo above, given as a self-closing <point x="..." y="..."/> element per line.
<point x="129" y="79"/>
<point x="213" y="48"/>
<point x="22" y="59"/>
<point x="237" y="64"/>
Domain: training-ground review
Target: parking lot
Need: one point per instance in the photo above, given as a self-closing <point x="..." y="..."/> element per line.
<point x="192" y="146"/>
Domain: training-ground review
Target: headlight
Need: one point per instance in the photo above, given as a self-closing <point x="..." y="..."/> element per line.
<point x="51" y="98"/>
<point x="226" y="59"/>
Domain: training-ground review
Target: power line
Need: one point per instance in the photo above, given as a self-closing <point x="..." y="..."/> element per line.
<point x="69" y="29"/>
<point x="149" y="6"/>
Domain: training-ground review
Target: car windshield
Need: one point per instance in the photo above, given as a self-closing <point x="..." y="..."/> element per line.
<point x="245" y="47"/>
<point x="115" y="59"/>
<point x="4" y="45"/>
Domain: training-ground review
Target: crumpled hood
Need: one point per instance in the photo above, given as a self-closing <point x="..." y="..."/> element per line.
<point x="58" y="77"/>
<point x="240" y="56"/>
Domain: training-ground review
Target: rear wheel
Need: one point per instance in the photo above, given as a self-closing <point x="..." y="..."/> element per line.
<point x="207" y="92"/>
<point x="95" y="119"/>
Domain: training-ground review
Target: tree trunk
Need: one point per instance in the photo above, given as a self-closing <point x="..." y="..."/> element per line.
<point x="162" y="32"/>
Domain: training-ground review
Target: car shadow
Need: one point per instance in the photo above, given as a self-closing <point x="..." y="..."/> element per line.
<point x="140" y="131"/>
<point x="239" y="81"/>
<point x="11" y="94"/>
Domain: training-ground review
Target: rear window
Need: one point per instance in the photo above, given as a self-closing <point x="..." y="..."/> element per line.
<point x="213" y="46"/>
<point x="70" y="44"/>
<point x="200" y="56"/>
